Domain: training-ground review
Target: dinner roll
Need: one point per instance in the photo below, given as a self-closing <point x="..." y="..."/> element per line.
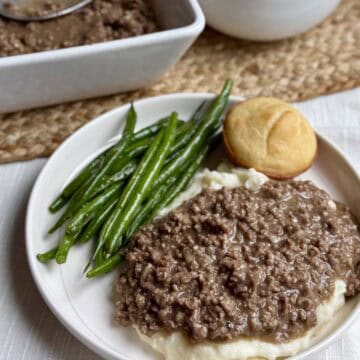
<point x="271" y="136"/>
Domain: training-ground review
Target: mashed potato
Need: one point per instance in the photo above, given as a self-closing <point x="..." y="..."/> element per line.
<point x="225" y="175"/>
<point x="175" y="346"/>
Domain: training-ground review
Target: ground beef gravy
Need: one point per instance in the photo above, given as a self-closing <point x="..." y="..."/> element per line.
<point x="101" y="20"/>
<point x="234" y="262"/>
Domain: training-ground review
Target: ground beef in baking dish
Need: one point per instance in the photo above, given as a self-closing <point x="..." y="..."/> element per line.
<point x="101" y="20"/>
<point x="235" y="262"/>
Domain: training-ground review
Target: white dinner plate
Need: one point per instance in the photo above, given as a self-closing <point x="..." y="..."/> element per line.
<point x="86" y="307"/>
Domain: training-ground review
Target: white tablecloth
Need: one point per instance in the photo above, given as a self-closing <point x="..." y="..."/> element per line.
<point x="28" y="330"/>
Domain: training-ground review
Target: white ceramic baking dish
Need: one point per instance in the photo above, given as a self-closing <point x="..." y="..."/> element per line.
<point x="57" y="76"/>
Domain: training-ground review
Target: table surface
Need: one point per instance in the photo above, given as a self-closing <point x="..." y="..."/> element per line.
<point x="28" y="330"/>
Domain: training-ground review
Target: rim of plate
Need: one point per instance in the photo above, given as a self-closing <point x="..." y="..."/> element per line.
<point x="99" y="347"/>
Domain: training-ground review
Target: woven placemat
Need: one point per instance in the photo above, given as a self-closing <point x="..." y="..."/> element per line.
<point x="324" y="60"/>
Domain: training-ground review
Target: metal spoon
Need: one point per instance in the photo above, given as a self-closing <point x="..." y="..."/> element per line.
<point x="22" y="15"/>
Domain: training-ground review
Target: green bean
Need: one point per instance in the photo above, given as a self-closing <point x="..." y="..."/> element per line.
<point x="164" y="189"/>
<point x="100" y="259"/>
<point x="72" y="207"/>
<point x="144" y="185"/>
<point x="166" y="193"/>
<point x="48" y="255"/>
<point x="70" y="189"/>
<point x="129" y="189"/>
<point x="144" y="211"/>
<point x="57" y="204"/>
<point x="106" y="267"/>
<point x="139" y="144"/>
<point x="88" y="211"/>
<point x="199" y="111"/>
<point x="178" y="186"/>
<point x="123" y="173"/>
<point x="115" y="153"/>
<point x="126" y="166"/>
<point x="184" y="136"/>
<point x="136" y="148"/>
<point x="205" y="129"/>
<point x="186" y="131"/>
<point x="126" y="171"/>
<point x="151" y="130"/>
<point x="134" y="151"/>
<point x="139" y="147"/>
<point x="139" y="140"/>
<point x="88" y="171"/>
<point x="173" y="154"/>
<point x="137" y="188"/>
<point x="65" y="244"/>
<point x="214" y="139"/>
<point x="120" y="170"/>
<point x="87" y="189"/>
<point x="98" y="221"/>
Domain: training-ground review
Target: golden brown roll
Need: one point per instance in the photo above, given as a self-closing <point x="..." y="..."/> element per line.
<point x="271" y="136"/>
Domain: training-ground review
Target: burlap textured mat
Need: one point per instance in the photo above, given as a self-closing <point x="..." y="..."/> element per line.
<point x="325" y="59"/>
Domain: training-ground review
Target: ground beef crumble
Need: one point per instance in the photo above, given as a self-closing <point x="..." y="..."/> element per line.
<point x="234" y="262"/>
<point x="101" y="20"/>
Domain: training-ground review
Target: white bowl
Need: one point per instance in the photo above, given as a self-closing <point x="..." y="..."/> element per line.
<point x="85" y="306"/>
<point x="50" y="77"/>
<point x="265" y="20"/>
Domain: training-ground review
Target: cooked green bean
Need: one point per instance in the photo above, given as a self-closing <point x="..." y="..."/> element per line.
<point x="205" y="129"/>
<point x="126" y="166"/>
<point x="183" y="133"/>
<point x="100" y="259"/>
<point x="76" y="199"/>
<point x="142" y="185"/>
<point x="65" y="244"/>
<point x="96" y="223"/>
<point x="116" y="178"/>
<point x="144" y="211"/>
<point x="106" y="266"/>
<point x="167" y="192"/>
<point x="178" y="186"/>
<point x="137" y="187"/>
<point x="129" y="189"/>
<point x="48" y="255"/>
<point x="151" y="130"/>
<point x="163" y="190"/>
<point x="57" y="204"/>
<point x="84" y="174"/>
<point x="88" y="211"/>
<point x="70" y="189"/>
<point x="87" y="189"/>
<point x="186" y="131"/>
<point x="120" y="170"/>
<point x="184" y="136"/>
<point x="115" y="154"/>
<point x="139" y="144"/>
